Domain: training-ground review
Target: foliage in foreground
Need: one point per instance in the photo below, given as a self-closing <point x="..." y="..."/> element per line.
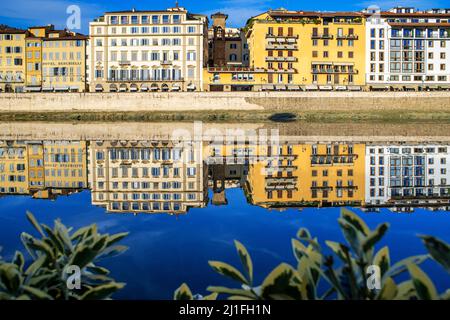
<point x="346" y="280"/>
<point x="46" y="276"/>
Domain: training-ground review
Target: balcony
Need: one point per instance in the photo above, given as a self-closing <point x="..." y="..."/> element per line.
<point x="124" y="62"/>
<point x="281" y="38"/>
<point x="333" y="71"/>
<point x="281" y="59"/>
<point x="165" y="63"/>
<point x="281" y="47"/>
<point x="330" y="159"/>
<point x="347" y="37"/>
<point x="321" y="36"/>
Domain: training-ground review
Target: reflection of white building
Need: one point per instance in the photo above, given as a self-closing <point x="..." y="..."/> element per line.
<point x="408" y="49"/>
<point x="147" y="177"/>
<point x="148" y="50"/>
<point x="407" y="172"/>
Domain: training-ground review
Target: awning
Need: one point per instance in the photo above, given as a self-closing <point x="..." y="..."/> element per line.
<point x="322" y="63"/>
<point x="280" y="87"/>
<point x="47" y="89"/>
<point x="354" y="88"/>
<point x="293" y="87"/>
<point x="343" y="64"/>
<point x="311" y="87"/>
<point x="165" y="87"/>
<point x="33" y="89"/>
<point x="154" y="87"/>
<point x="113" y="88"/>
<point x="267" y="87"/>
<point x="133" y="87"/>
<point x="379" y="86"/>
<point x="340" y="88"/>
<point x="144" y="87"/>
<point x="123" y="87"/>
<point x="176" y="87"/>
<point x="325" y="88"/>
<point x="191" y="86"/>
<point x="62" y="88"/>
<point x="74" y="88"/>
<point x="98" y="87"/>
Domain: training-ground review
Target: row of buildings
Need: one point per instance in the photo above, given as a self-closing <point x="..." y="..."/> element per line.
<point x="175" y="50"/>
<point x="168" y="177"/>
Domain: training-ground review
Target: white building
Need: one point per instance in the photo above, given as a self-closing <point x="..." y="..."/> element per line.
<point x="407" y="172"/>
<point x="408" y="49"/>
<point x="148" y="50"/>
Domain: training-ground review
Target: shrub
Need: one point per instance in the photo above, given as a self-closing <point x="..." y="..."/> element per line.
<point x="58" y="248"/>
<point x="347" y="280"/>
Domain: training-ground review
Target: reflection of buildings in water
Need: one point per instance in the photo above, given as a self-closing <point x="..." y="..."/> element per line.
<point x="299" y="175"/>
<point x="160" y="177"/>
<point x="147" y="177"/>
<point x="43" y="169"/>
<point x="408" y="175"/>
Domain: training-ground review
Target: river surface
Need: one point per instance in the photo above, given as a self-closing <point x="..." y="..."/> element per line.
<point x="185" y="191"/>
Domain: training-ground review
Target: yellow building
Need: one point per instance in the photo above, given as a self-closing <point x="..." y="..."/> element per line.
<point x="299" y="175"/>
<point x="13" y="168"/>
<point x="65" y="164"/>
<point x="297" y="50"/>
<point x="63" y="60"/>
<point x="33" y="52"/>
<point x="12" y="60"/>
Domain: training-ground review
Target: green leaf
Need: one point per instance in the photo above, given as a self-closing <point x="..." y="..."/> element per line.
<point x="338" y="249"/>
<point x="353" y="219"/>
<point x="402" y="265"/>
<point x="37" y="293"/>
<point x="424" y="287"/>
<point x="57" y="243"/>
<point x="352" y="235"/>
<point x="374" y="237"/>
<point x="183" y="293"/>
<point x="112" y="252"/>
<point x="37" y="245"/>
<point x="282" y="283"/>
<point x="212" y="296"/>
<point x="98" y="270"/>
<point x="233" y="292"/>
<point x="35" y="266"/>
<point x="11" y="277"/>
<point x="299" y="249"/>
<point x="303" y="233"/>
<point x="388" y="291"/>
<point x="116" y="238"/>
<point x="245" y="260"/>
<point x="19" y="260"/>
<point x="382" y="259"/>
<point x="228" y="271"/>
<point x="35" y="223"/>
<point x="406" y="291"/>
<point x="439" y="251"/>
<point x="102" y="292"/>
<point x="82" y="256"/>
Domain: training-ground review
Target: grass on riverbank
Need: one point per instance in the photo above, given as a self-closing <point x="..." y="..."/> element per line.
<point x="233" y="116"/>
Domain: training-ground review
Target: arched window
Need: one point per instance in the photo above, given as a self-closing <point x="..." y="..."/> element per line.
<point x="233" y="57"/>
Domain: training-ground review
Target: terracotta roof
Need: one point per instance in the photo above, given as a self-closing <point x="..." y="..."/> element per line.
<point x="12" y="31"/>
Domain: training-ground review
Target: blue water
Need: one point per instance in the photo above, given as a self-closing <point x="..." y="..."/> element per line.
<point x="166" y="251"/>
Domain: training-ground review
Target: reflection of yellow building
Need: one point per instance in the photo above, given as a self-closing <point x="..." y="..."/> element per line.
<point x="65" y="164"/>
<point x="13" y="168"/>
<point x="43" y="169"/>
<point x="12" y="60"/>
<point x="293" y="50"/>
<point x="309" y="175"/>
<point x="144" y="177"/>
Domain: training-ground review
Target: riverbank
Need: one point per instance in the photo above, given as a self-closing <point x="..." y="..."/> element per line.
<point x="233" y="106"/>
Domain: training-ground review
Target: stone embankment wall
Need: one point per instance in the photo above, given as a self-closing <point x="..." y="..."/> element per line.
<point x="231" y="101"/>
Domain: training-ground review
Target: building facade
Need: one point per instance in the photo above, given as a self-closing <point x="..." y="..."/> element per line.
<point x="144" y="177"/>
<point x="148" y="51"/>
<point x="415" y="173"/>
<point x="12" y="60"/>
<point x="302" y="175"/>
<point x="408" y="49"/>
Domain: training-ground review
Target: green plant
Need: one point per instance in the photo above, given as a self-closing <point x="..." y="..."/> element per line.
<point x="347" y="280"/>
<point x="58" y="248"/>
